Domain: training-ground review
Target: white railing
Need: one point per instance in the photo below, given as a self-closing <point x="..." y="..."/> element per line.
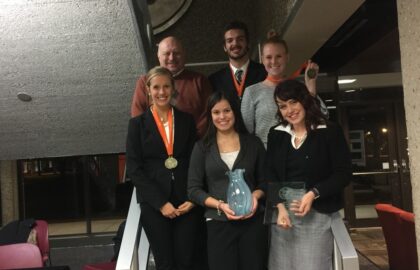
<point x="345" y="256"/>
<point x="134" y="252"/>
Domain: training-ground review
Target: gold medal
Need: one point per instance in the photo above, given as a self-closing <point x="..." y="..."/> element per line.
<point x="171" y="163"/>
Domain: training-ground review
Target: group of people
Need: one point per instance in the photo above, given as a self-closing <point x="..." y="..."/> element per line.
<point x="188" y="131"/>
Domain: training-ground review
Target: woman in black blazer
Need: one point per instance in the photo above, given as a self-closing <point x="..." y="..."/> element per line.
<point x="159" y="145"/>
<point x="304" y="147"/>
<point x="234" y="241"/>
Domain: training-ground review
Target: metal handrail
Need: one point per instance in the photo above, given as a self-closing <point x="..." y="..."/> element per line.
<point x="134" y="252"/>
<point x="345" y="255"/>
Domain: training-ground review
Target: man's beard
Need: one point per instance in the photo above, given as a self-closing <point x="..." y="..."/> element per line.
<point x="239" y="56"/>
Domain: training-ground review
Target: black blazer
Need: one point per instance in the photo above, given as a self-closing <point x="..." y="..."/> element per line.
<point x="207" y="173"/>
<point x="327" y="168"/>
<point x="146" y="154"/>
<point x="222" y="80"/>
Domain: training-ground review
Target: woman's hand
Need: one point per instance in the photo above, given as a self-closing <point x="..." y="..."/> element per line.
<point x="305" y="204"/>
<point x="185" y="208"/>
<point x="283" y="219"/>
<point x="311" y="82"/>
<point x="254" y="207"/>
<point x="169" y="211"/>
<point x="229" y="212"/>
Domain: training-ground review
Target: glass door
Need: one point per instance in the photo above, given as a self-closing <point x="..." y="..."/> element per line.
<point x="377" y="138"/>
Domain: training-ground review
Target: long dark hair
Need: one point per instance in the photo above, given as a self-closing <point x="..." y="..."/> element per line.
<point x="239" y="126"/>
<point x="292" y="89"/>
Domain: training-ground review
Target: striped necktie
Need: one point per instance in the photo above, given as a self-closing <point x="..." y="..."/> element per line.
<point x="238" y="75"/>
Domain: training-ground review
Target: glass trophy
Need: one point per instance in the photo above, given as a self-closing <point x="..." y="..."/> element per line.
<point x="286" y="193"/>
<point x="239" y="195"/>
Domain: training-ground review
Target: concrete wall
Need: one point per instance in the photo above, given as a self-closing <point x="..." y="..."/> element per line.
<point x="409" y="25"/>
<point x="79" y="60"/>
<point x="275" y="14"/>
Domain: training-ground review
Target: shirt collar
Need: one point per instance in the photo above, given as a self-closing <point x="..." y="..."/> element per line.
<point x="179" y="72"/>
<point x="289" y="130"/>
<point x="243" y="68"/>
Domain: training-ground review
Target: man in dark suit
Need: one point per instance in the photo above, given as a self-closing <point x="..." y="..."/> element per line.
<point x="241" y="71"/>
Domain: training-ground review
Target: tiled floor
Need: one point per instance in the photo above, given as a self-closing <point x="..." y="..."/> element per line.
<point x="371" y="244"/>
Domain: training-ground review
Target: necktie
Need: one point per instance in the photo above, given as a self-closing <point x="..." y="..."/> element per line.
<point x="238" y="75"/>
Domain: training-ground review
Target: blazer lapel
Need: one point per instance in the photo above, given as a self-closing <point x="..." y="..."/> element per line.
<point x="242" y="150"/>
<point x="214" y="151"/>
<point x="150" y="121"/>
<point x="250" y="74"/>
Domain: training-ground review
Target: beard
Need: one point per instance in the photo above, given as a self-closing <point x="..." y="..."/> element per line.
<point x="240" y="55"/>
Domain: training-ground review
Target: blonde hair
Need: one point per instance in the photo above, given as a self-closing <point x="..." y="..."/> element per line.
<point x="159" y="71"/>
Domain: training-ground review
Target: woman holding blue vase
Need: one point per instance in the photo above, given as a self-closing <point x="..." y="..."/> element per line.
<point x="234" y="241"/>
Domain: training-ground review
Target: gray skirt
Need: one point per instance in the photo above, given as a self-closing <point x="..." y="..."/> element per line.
<point x="307" y="245"/>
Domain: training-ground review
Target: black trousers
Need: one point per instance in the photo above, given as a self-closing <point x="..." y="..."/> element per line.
<point x="172" y="240"/>
<point x="237" y="245"/>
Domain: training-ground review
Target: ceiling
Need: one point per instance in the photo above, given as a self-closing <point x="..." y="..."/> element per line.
<point x="367" y="43"/>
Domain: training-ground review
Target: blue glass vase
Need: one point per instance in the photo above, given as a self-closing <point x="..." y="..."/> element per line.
<point x="239" y="195"/>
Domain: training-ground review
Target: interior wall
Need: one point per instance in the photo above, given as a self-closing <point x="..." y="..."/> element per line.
<point x="201" y="29"/>
<point x="408" y="25"/>
<point x="79" y="61"/>
<point x="274" y="14"/>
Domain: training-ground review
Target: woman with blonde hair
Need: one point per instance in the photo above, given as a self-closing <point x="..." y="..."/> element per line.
<point x="159" y="145"/>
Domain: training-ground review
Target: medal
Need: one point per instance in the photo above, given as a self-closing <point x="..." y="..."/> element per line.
<point x="171" y="163"/>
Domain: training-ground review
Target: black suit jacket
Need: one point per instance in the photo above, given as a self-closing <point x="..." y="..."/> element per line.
<point x="146" y="155"/>
<point x="207" y="174"/>
<point x="327" y="168"/>
<point x="222" y="80"/>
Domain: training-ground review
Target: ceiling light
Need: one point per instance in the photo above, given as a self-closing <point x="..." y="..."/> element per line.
<point x="350" y="90"/>
<point x="24" y="97"/>
<point x="345" y="81"/>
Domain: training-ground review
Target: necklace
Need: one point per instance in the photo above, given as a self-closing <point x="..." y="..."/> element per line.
<point x="301" y="137"/>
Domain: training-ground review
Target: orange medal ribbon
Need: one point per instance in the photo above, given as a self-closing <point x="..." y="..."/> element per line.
<point x="169" y="143"/>
<point x="239" y="87"/>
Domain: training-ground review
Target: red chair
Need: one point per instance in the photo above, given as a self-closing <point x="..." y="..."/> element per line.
<point x="409" y="237"/>
<point x="41" y="228"/>
<point x="389" y="217"/>
<point x="18" y="256"/>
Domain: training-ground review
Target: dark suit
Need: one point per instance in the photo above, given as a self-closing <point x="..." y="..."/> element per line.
<point x="327" y="163"/>
<point x="171" y="240"/>
<point x="240" y="244"/>
<point x="221" y="80"/>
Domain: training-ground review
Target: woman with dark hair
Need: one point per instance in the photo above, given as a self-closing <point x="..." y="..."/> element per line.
<point x="306" y="148"/>
<point x="234" y="241"/>
<point x="159" y="145"/>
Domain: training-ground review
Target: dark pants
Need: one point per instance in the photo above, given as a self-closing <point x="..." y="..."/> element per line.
<point x="171" y="240"/>
<point x="237" y="245"/>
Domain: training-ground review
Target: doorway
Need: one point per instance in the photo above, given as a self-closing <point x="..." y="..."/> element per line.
<point x="374" y="122"/>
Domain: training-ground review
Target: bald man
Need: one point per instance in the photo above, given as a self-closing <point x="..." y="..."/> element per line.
<point x="192" y="88"/>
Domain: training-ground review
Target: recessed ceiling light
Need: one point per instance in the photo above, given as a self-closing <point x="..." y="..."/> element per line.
<point x="345" y="81"/>
<point x="24" y="97"/>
